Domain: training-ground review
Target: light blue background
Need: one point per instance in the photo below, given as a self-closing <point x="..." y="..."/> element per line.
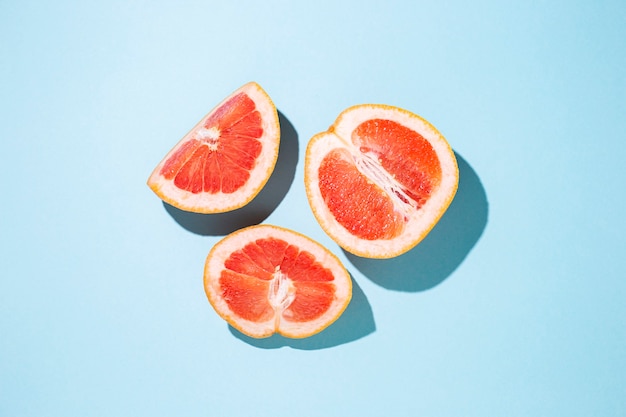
<point x="515" y="305"/>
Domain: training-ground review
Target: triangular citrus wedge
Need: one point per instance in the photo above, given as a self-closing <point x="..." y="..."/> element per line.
<point x="226" y="159"/>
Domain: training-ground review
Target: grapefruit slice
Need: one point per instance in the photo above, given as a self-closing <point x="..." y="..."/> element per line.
<point x="265" y="279"/>
<point x="379" y="179"/>
<point x="226" y="159"/>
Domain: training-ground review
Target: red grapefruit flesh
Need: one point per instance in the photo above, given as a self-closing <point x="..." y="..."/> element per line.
<point x="226" y="159"/>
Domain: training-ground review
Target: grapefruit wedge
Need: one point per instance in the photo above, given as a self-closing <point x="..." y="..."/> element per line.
<point x="265" y="279"/>
<point x="226" y="159"/>
<point x="379" y="179"/>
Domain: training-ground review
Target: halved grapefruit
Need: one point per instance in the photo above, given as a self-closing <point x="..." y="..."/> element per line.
<point x="266" y="279"/>
<point x="379" y="179"/>
<point x="226" y="159"/>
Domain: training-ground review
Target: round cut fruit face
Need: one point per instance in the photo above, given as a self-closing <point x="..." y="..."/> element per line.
<point x="265" y="279"/>
<point x="379" y="179"/>
<point x="225" y="160"/>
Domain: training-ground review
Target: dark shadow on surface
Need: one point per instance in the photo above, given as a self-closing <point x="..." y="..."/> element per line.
<point x="443" y="250"/>
<point x="264" y="203"/>
<point x="357" y="321"/>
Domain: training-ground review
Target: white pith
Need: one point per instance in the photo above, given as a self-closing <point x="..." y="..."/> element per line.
<point x="369" y="165"/>
<point x="209" y="136"/>
<point x="281" y="290"/>
<point x="419" y="221"/>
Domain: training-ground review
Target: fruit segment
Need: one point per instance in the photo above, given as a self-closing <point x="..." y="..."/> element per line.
<point x="379" y="179"/>
<point x="403" y="154"/>
<point x="356" y="202"/>
<point x="266" y="279"/>
<point x="225" y="160"/>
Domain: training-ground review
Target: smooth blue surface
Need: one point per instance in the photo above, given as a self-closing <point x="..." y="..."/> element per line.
<point x="515" y="305"/>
